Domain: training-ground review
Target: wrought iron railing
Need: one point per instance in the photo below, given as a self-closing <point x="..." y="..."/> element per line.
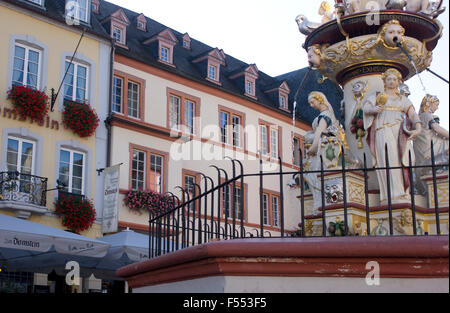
<point x="25" y="188"/>
<point x="187" y="225"/>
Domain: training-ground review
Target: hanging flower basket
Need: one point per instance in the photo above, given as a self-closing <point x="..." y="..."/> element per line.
<point x="80" y="117"/>
<point x="77" y="214"/>
<point x="154" y="202"/>
<point x="29" y="102"/>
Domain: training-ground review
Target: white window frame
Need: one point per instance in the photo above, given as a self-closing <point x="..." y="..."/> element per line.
<point x="283" y="102"/>
<point x="164" y="54"/>
<point x="77" y="16"/>
<point x="119" y="31"/>
<point x="263" y="139"/>
<point x="249" y="88"/>
<point x="75" y="81"/>
<point x="137" y="109"/>
<point x="274" y="143"/>
<point x="266" y="213"/>
<point x="83" y="178"/>
<point x="19" y="154"/>
<point x="237" y="131"/>
<point x="276" y="211"/>
<point x="187" y="117"/>
<point x="114" y="104"/>
<point x="224" y="138"/>
<point x="212" y="72"/>
<point x="38" y="2"/>
<point x="144" y="182"/>
<point x="162" y="180"/>
<point x="175" y="114"/>
<point x="25" y="71"/>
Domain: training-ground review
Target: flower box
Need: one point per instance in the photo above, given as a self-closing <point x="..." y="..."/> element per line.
<point x="29" y="102"/>
<point x="80" y="117"/>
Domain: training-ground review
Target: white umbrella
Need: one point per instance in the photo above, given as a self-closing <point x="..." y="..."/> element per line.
<point x="33" y="246"/>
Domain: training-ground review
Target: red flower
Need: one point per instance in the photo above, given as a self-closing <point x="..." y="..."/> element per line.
<point x="77" y="215"/>
<point x="29" y="102"/>
<point x="80" y="118"/>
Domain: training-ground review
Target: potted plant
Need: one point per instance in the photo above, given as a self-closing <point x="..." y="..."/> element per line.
<point x="80" y="117"/>
<point x="154" y="202"/>
<point x="78" y="214"/>
<point x="29" y="102"/>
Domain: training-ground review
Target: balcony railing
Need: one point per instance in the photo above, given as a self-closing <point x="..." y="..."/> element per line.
<point x="23" y="188"/>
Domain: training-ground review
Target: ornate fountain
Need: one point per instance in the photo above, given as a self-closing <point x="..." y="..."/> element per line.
<point x="358" y="46"/>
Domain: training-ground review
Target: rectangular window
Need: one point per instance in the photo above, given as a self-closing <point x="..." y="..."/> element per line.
<point x="117" y="94"/>
<point x="133" y="99"/>
<point x="117" y="34"/>
<point x="237" y="195"/>
<point x="275" y="211"/>
<point x="77" y="10"/>
<point x="156" y="173"/>
<point x="36" y="1"/>
<point x="189" y="111"/>
<point x="265" y="209"/>
<point x="249" y="87"/>
<point x="26" y="67"/>
<point x="138" y="170"/>
<point x="182" y="112"/>
<point x="274" y="143"/>
<point x="224" y="120"/>
<point x="189" y="186"/>
<point x="71" y="169"/>
<point x="283" y="102"/>
<point x="20" y="156"/>
<point x="175" y="110"/>
<point x="226" y="201"/>
<point x="164" y="54"/>
<point x="237" y="125"/>
<point x="263" y="139"/>
<point x="75" y="83"/>
<point x="212" y="72"/>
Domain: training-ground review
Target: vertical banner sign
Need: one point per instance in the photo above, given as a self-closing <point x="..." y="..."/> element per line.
<point x="111" y="199"/>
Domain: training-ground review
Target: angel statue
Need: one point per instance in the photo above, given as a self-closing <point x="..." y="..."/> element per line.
<point x="385" y="117"/>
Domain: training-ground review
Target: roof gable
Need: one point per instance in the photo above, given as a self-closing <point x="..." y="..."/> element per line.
<point x="120" y="16"/>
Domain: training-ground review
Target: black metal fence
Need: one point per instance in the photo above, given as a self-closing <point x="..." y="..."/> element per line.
<point x="25" y="188"/>
<point x="201" y="215"/>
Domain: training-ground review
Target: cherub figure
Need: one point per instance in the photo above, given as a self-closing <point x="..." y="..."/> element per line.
<point x="326" y="12"/>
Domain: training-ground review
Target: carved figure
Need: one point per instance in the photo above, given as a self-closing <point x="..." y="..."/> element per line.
<point x="326" y="12"/>
<point x="404" y="224"/>
<point x="357" y="124"/>
<point x="305" y="26"/>
<point x="315" y="56"/>
<point x="384" y="115"/>
<point x="432" y="132"/>
<point x="322" y="141"/>
<point x="404" y="90"/>
<point x="391" y="33"/>
<point x="431" y="9"/>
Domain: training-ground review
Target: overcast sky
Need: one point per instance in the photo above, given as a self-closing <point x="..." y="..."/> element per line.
<point x="264" y="32"/>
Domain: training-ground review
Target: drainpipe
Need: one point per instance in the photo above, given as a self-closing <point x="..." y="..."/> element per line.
<point x="108" y="119"/>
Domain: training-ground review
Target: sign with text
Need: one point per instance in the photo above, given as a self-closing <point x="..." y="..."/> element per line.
<point x="111" y="199"/>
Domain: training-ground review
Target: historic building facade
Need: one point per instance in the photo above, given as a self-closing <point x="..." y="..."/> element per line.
<point x="39" y="155"/>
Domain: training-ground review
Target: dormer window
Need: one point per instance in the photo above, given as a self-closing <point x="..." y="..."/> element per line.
<point x="245" y="79"/>
<point x="162" y="46"/>
<point x="77" y="10"/>
<point x="119" y="23"/>
<point x="186" y="41"/>
<point x="95" y="6"/>
<point x="209" y="63"/>
<point x="141" y="23"/>
<point x="279" y="94"/>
